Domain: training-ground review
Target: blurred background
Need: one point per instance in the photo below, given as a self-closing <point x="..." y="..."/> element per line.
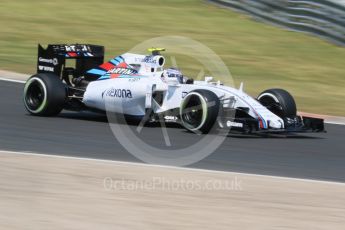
<point x="260" y="54"/>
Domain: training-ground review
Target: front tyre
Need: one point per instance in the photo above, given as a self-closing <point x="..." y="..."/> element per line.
<point x="44" y="95"/>
<point x="279" y="102"/>
<point x="199" y="111"/>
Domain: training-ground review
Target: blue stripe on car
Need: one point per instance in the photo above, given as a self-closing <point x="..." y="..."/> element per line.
<point x="97" y="71"/>
<point x="119" y="59"/>
<point x="104" y="77"/>
<point x="115" y="62"/>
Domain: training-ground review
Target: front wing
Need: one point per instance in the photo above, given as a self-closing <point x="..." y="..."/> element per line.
<point x="298" y="124"/>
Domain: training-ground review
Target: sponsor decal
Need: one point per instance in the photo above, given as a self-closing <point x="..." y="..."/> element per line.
<point x="120" y="93"/>
<point x="170" y="118"/>
<point x="135" y="79"/>
<point x="79" y="48"/>
<point x="53" y="61"/>
<point x="137" y="59"/>
<point x="46" y="68"/>
<point x="234" y="124"/>
<point x="149" y="59"/>
<point x="124" y="71"/>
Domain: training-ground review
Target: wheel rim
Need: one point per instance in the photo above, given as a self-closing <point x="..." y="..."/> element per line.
<point x="35" y="95"/>
<point x="193" y="112"/>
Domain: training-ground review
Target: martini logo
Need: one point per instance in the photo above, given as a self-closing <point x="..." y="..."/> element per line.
<point x="124" y="71"/>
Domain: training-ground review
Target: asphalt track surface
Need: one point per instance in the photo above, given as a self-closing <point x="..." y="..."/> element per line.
<point x="319" y="156"/>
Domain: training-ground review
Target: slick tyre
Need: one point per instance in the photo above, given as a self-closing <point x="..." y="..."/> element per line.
<point x="278" y="101"/>
<point x="44" y="95"/>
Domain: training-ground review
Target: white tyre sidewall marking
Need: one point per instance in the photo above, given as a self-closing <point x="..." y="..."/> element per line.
<point x="27" y="84"/>
<point x="269" y="95"/>
<point x="204" y="108"/>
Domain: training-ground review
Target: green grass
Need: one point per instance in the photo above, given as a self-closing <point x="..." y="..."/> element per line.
<point x="262" y="56"/>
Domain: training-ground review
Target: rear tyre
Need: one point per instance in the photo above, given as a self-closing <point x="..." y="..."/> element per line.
<point x="44" y="95"/>
<point x="279" y="102"/>
<point x="199" y="111"/>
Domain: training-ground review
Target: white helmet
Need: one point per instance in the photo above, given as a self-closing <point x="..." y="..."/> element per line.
<point x="171" y="73"/>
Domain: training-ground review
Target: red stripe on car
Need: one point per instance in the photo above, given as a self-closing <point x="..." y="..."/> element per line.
<point x="107" y="66"/>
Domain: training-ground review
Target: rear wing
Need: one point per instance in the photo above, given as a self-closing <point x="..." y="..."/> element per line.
<point x="53" y="58"/>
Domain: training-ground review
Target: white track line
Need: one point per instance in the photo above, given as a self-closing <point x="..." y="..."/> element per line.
<point x="124" y="163"/>
<point x="334" y="123"/>
<point x="12" y="80"/>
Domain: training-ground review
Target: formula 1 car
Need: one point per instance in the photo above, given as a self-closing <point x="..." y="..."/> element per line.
<point x="139" y="85"/>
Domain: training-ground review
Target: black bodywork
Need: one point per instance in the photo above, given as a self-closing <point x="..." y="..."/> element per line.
<point x="55" y="59"/>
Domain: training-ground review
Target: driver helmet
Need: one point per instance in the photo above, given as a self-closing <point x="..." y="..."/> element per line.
<point x="174" y="73"/>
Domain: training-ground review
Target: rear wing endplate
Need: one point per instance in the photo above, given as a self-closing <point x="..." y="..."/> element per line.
<point x="53" y="58"/>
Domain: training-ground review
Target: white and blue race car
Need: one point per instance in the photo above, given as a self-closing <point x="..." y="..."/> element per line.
<point x="140" y="86"/>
